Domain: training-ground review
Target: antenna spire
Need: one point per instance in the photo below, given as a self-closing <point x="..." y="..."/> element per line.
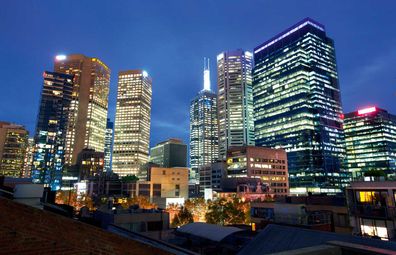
<point x="206" y="74"/>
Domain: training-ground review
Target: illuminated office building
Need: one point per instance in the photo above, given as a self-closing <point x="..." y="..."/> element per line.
<point x="108" y="150"/>
<point x="234" y="100"/>
<point x="13" y="146"/>
<point x="52" y="123"/>
<point x="370" y="141"/>
<point x="297" y="106"/>
<point x="132" y="123"/>
<point x="169" y="153"/>
<point x="27" y="168"/>
<point x="88" y="111"/>
<point x="203" y="128"/>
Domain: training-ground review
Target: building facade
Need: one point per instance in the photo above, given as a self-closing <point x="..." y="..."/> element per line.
<point x="234" y="100"/>
<point x="108" y="150"/>
<point x="297" y="105"/>
<point x="13" y="147"/>
<point x="268" y="165"/>
<point x="90" y="163"/>
<point x="27" y="168"/>
<point x="210" y="176"/>
<point x="88" y="110"/>
<point x="203" y="128"/>
<point x="370" y="141"/>
<point x="170" y="153"/>
<point x="132" y="124"/>
<point x="51" y="129"/>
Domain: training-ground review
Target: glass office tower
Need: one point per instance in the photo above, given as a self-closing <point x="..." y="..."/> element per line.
<point x="132" y="123"/>
<point x="88" y="110"/>
<point x="108" y="149"/>
<point x="203" y="128"/>
<point x="297" y="106"/>
<point x="169" y="153"/>
<point x="370" y="138"/>
<point x="52" y="122"/>
<point x="234" y="100"/>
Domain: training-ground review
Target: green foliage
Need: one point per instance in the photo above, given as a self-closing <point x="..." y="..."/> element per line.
<point x="374" y="173"/>
<point x="129" y="178"/>
<point x="225" y="212"/>
<point x="183" y="217"/>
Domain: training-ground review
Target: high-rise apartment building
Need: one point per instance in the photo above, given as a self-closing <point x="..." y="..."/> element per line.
<point x="297" y="105"/>
<point x="203" y="128"/>
<point x="27" y="168"/>
<point x="234" y="100"/>
<point x="108" y="150"/>
<point x="51" y="128"/>
<point x="88" y="111"/>
<point x="169" y="153"/>
<point x="370" y="141"/>
<point x="13" y="146"/>
<point x="132" y="123"/>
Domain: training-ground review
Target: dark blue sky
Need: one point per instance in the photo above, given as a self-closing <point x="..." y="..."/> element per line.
<point x="169" y="39"/>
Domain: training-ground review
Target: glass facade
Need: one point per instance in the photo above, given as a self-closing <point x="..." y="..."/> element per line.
<point x="108" y="150"/>
<point x="52" y="123"/>
<point x="88" y="110"/>
<point x="297" y="105"/>
<point x="203" y="129"/>
<point x="370" y="138"/>
<point x="234" y="100"/>
<point x="13" y="148"/>
<point x="170" y="153"/>
<point x="132" y="124"/>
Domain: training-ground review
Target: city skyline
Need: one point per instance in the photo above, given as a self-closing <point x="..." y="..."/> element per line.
<point x="361" y="67"/>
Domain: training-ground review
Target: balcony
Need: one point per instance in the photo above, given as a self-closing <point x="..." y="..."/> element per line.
<point x="373" y="211"/>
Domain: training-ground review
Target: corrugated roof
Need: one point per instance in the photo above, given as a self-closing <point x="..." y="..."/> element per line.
<point x="208" y="231"/>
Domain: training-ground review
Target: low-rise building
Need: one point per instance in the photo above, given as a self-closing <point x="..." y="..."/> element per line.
<point x="371" y="206"/>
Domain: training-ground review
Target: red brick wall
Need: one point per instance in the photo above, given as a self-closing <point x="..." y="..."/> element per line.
<point x="27" y="230"/>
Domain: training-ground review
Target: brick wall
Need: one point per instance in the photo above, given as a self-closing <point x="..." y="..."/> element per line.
<point x="27" y="230"/>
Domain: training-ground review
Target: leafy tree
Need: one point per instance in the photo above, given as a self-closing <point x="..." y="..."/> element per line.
<point x="228" y="211"/>
<point x="198" y="208"/>
<point x="141" y="201"/>
<point x="183" y="217"/>
<point x="129" y="178"/>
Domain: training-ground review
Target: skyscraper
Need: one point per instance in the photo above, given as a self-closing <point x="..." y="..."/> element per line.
<point x="169" y="153"/>
<point x="52" y="123"/>
<point x="13" y="146"/>
<point x="108" y="150"/>
<point x="297" y="105"/>
<point x="234" y="100"/>
<point x="203" y="128"/>
<point x="132" y="124"/>
<point x="370" y="139"/>
<point x="88" y="111"/>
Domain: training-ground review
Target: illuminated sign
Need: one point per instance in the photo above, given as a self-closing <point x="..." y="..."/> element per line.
<point x="367" y="110"/>
<point x="60" y="57"/>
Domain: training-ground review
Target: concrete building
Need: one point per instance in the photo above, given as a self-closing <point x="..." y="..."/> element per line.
<point x="203" y="128"/>
<point x="51" y="129"/>
<point x="169" y="153"/>
<point x="268" y="165"/>
<point x="13" y="147"/>
<point x="88" y="110"/>
<point x="371" y="206"/>
<point x="132" y="124"/>
<point x="210" y="176"/>
<point x="370" y="141"/>
<point x="234" y="100"/>
<point x="297" y="106"/>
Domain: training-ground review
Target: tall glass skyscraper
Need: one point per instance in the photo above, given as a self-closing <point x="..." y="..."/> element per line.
<point x="370" y="138"/>
<point x="108" y="149"/>
<point x="203" y="128"/>
<point x="88" y="111"/>
<point x="132" y="123"/>
<point x="52" y="123"/>
<point x="297" y="105"/>
<point x="234" y="100"/>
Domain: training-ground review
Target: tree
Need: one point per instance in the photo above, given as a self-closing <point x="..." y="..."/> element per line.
<point x="228" y="211"/>
<point x="183" y="217"/>
<point x="129" y="178"/>
<point x="141" y="201"/>
<point x="198" y="208"/>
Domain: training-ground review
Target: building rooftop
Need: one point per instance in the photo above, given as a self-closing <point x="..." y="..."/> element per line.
<point x="208" y="231"/>
<point x="276" y="238"/>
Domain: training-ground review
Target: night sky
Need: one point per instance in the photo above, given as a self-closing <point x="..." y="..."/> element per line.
<point x="169" y="39"/>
